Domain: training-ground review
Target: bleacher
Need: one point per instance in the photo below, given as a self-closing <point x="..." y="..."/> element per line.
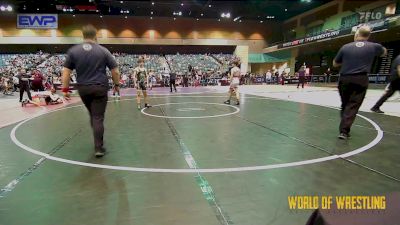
<point x="225" y="60"/>
<point x="204" y="63"/>
<point x="52" y="64"/>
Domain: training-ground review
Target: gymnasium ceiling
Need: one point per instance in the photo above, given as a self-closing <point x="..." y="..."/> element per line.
<point x="261" y="10"/>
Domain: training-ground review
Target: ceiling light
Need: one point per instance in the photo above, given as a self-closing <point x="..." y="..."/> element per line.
<point x="261" y="21"/>
<point x="219" y="19"/>
<point x="37" y="9"/>
<point x="181" y="4"/>
<point x="73" y="15"/>
<point x="174" y="18"/>
<point x="2" y="8"/>
<point x="152" y="3"/>
<point x="177" y="13"/>
<point x="209" y="6"/>
<point x="151" y="18"/>
<point x="97" y="10"/>
<point x="285" y="10"/>
<point x="126" y="17"/>
<point x="236" y="18"/>
<point x="197" y="19"/>
<point x="151" y="12"/>
<point x="202" y="14"/>
<point x="9" y="8"/>
<point x="64" y="9"/>
<point x="226" y="15"/>
<point x="240" y="21"/>
<point x="122" y="2"/>
<point x="101" y="16"/>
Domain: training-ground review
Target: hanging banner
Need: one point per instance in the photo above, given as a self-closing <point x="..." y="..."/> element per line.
<point x="37" y="21"/>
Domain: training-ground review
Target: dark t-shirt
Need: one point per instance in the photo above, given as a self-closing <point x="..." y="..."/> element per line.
<point x="394" y="73"/>
<point x="90" y="61"/>
<point x="172" y="76"/>
<point x="23" y="78"/>
<point x="357" y="57"/>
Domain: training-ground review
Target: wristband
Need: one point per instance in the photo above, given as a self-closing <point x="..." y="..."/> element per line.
<point x="65" y="90"/>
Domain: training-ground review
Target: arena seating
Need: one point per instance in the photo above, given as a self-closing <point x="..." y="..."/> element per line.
<point x="52" y="63"/>
<point x="203" y="63"/>
<point x="225" y="60"/>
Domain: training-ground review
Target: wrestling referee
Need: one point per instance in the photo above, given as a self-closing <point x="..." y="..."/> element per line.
<point x="356" y="59"/>
<point x="90" y="60"/>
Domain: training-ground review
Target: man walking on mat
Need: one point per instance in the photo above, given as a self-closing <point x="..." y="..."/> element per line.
<point x="90" y="60"/>
<point x="356" y="59"/>
<point x="392" y="87"/>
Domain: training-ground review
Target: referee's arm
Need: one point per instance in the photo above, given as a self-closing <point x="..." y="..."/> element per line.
<point x="398" y="70"/>
<point x="384" y="52"/>
<point x="337" y="62"/>
<point x="69" y="65"/>
<point x="111" y="63"/>
<point x="66" y="77"/>
<point x="115" y="76"/>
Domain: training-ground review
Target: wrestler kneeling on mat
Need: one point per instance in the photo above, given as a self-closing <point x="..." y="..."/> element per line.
<point x="234" y="79"/>
<point x="142" y="80"/>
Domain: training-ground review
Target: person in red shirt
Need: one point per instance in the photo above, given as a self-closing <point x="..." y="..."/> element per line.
<point x="37" y="82"/>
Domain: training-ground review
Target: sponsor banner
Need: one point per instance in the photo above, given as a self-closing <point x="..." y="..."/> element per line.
<point x="37" y="21"/>
<point x="374" y="25"/>
<point x="320" y="37"/>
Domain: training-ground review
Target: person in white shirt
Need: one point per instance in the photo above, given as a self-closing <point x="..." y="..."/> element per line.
<point x="268" y="77"/>
<point x="234" y="83"/>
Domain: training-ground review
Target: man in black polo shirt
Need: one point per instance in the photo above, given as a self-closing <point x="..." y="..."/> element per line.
<point x="90" y="60"/>
<point x="392" y="87"/>
<point x="355" y="59"/>
<point x="172" y="79"/>
<point x="24" y="84"/>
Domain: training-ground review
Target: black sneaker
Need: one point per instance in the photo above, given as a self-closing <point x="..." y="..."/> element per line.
<point x="237" y="103"/>
<point x="377" y="110"/>
<point x="344" y="136"/>
<point x="147" y="105"/>
<point x="100" y="152"/>
<point x="228" y="102"/>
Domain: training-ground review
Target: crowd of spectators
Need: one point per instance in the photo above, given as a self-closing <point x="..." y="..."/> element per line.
<point x="201" y="69"/>
<point x="190" y="70"/>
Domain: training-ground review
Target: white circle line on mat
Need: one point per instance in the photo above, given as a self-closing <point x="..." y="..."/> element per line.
<point x="374" y="142"/>
<point x="192" y="117"/>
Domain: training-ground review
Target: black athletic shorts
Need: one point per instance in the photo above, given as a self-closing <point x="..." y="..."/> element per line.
<point x="141" y="86"/>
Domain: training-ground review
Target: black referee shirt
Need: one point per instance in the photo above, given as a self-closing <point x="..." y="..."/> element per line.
<point x="90" y="61"/>
<point x="357" y="57"/>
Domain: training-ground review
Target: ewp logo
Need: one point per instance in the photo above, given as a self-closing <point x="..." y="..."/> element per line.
<point x="38" y="21"/>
